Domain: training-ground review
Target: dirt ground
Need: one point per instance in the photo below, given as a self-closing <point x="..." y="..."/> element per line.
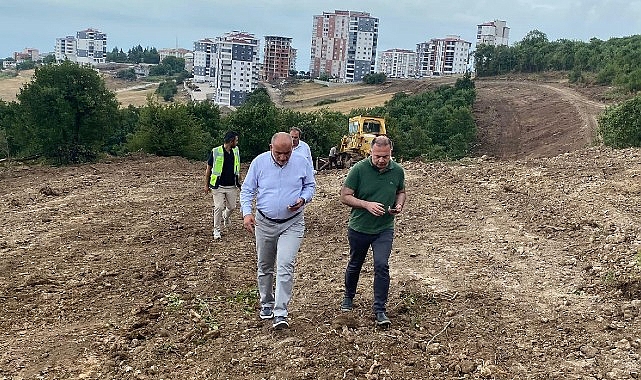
<point x="520" y="263"/>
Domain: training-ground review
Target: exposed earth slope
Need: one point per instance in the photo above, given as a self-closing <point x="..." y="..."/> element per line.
<point x="524" y="263"/>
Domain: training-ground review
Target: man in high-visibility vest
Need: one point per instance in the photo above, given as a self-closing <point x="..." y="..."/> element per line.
<point x="222" y="179"/>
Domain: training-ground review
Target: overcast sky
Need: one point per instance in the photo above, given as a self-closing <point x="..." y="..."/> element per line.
<point x="402" y="23"/>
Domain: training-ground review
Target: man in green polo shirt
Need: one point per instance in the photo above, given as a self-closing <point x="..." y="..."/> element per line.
<point x="375" y="189"/>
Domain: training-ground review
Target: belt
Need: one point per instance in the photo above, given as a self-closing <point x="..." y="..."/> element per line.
<point x="279" y="221"/>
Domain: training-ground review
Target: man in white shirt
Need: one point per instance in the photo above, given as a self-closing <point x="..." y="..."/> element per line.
<point x="301" y="146"/>
<point x="281" y="184"/>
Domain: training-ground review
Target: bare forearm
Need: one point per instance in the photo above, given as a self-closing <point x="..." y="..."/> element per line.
<point x="352" y="201"/>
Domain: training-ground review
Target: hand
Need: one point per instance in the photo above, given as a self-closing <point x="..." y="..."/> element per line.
<point x="249" y="222"/>
<point x="374" y="208"/>
<point x="207" y="189"/>
<point x="299" y="203"/>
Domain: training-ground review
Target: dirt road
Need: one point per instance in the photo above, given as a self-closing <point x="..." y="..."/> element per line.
<point x="521" y="119"/>
<point x="521" y="265"/>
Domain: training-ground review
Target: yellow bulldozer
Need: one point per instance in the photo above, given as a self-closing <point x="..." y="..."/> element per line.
<point x="356" y="145"/>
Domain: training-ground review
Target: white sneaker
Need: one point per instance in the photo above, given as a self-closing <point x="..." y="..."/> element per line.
<point x="216" y="234"/>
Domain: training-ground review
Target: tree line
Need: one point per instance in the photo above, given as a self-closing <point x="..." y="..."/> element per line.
<point x="67" y="115"/>
<point x="616" y="61"/>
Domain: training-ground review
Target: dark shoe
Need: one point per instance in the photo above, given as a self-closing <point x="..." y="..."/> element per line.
<point x="347" y="304"/>
<point x="266" y="313"/>
<point x="280" y="323"/>
<point x="382" y="320"/>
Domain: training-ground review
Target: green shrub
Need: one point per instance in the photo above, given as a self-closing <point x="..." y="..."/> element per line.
<point x="620" y="126"/>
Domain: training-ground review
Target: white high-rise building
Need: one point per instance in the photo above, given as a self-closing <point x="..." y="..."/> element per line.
<point x="493" y="33"/>
<point x="231" y="63"/>
<point x="344" y="45"/>
<point x="444" y="56"/>
<point x="91" y="47"/>
<point x="65" y="49"/>
<point x="397" y="63"/>
<point x="88" y="47"/>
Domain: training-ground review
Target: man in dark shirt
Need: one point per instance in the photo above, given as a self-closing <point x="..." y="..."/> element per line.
<point x="221" y="178"/>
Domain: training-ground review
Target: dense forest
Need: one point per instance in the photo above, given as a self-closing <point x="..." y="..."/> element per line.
<point x="613" y="62"/>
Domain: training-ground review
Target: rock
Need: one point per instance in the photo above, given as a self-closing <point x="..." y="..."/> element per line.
<point x="433" y="348"/>
<point x="623" y="344"/>
<point x="589" y="352"/>
<point x="466" y="366"/>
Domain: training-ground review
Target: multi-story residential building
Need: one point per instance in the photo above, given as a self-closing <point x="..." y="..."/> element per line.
<point x="230" y="63"/>
<point x="397" y="63"/>
<point x="89" y="46"/>
<point x="65" y="49"/>
<point x="344" y="45"/>
<point x="277" y="58"/>
<point x="204" y="54"/>
<point x="292" y="61"/>
<point x="444" y="56"/>
<point x="493" y="33"/>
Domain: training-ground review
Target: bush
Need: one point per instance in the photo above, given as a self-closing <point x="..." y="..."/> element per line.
<point x="126" y="74"/>
<point x="620" y="126"/>
<point x="167" y="90"/>
<point x="377" y="78"/>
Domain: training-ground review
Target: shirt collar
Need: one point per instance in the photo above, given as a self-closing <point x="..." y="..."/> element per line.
<point x="387" y="168"/>
<point x="276" y="162"/>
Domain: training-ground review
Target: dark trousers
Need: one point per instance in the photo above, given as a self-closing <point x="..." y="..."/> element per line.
<point x="359" y="244"/>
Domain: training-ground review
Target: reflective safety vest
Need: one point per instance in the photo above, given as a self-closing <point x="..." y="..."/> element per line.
<point x="219" y="156"/>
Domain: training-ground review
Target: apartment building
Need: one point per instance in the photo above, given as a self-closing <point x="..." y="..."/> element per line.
<point x="443" y="56"/>
<point x="495" y="33"/>
<point x="65" y="49"/>
<point x="230" y="63"/>
<point x="398" y="63"/>
<point x="344" y="45"/>
<point x="277" y="58"/>
<point x="89" y="47"/>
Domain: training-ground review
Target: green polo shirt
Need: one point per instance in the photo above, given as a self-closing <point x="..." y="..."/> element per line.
<point x="372" y="185"/>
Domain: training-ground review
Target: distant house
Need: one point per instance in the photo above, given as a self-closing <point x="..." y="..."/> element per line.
<point x="142" y="69"/>
<point x="26" y="55"/>
<point x="185" y="54"/>
<point x="8" y="64"/>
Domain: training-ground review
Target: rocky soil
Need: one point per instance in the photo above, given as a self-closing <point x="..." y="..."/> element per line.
<point x="522" y="262"/>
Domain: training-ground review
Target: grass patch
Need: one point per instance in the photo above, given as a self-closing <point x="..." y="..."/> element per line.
<point x="325" y="102"/>
<point x="174" y="302"/>
<point x="245" y="298"/>
<point x="7" y="74"/>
